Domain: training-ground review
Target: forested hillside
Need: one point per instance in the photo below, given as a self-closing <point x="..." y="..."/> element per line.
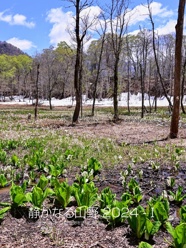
<point x="9" y="49"/>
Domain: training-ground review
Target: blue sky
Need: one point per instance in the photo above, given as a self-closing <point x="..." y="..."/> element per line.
<point x="33" y="25"/>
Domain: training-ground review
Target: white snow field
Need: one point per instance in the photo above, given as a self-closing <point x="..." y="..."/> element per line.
<point x="135" y="101"/>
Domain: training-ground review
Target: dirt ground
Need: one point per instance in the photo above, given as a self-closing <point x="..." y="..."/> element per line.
<point x="56" y="230"/>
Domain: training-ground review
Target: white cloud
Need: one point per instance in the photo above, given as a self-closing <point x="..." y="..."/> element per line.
<point x="91" y="13"/>
<point x="140" y="13"/>
<point x="64" y="23"/>
<point x="158" y="10"/>
<point x="16" y="19"/>
<point x="22" y="44"/>
<point x="164" y="18"/>
<point x="168" y="28"/>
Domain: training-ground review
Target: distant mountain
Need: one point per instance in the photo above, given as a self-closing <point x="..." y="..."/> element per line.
<point x="9" y="49"/>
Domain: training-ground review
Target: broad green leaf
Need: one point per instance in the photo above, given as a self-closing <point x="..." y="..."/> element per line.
<point x="17" y="195"/>
<point x="85" y="194"/>
<point x="3" y="180"/>
<point x="180" y="232"/>
<point x="63" y="193"/>
<point x="151" y="228"/>
<point x="106" y="198"/>
<point x="161" y="211"/>
<point x="144" y="245"/>
<point x="43" y="181"/>
<point x="170" y="229"/>
<point x="3" y="211"/>
<point x="137" y="221"/>
<point x="5" y="204"/>
<point x="19" y="199"/>
<point x="37" y="197"/>
<point x="47" y="192"/>
<point x="127" y="197"/>
<point x="183" y="213"/>
<point x="29" y="196"/>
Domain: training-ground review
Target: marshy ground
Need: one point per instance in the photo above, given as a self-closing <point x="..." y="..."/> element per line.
<point x="140" y="143"/>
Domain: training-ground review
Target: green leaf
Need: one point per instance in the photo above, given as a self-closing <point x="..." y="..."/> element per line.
<point x="47" y="192"/>
<point x="132" y="184"/>
<point x="183" y="213"/>
<point x="17" y="195"/>
<point x="159" y="209"/>
<point x="37" y="197"/>
<point x="112" y="215"/>
<point x="115" y="212"/>
<point x="3" y="180"/>
<point x="178" y="234"/>
<point x="5" y="204"/>
<point x="24" y="186"/>
<point x="43" y="181"/>
<point x="137" y="221"/>
<point x="29" y="196"/>
<point x="85" y="194"/>
<point x="63" y="193"/>
<point x="15" y="160"/>
<point x="144" y="245"/>
<point x="54" y="182"/>
<point x="95" y="165"/>
<point x="127" y="197"/>
<point x="170" y="229"/>
<point x="137" y="195"/>
<point x="3" y="211"/>
<point x="106" y="198"/>
<point x="151" y="228"/>
<point x="19" y="199"/>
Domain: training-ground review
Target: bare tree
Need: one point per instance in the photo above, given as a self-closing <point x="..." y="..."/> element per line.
<point x="128" y="74"/>
<point x="48" y="71"/>
<point x="118" y="24"/>
<point x="65" y="56"/>
<point x="34" y="78"/>
<point x="155" y="54"/>
<point x="98" y="71"/>
<point x="82" y="25"/>
<point x="144" y="40"/>
<point x="177" y="71"/>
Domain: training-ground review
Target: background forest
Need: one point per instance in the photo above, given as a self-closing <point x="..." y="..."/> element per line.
<point x="114" y="63"/>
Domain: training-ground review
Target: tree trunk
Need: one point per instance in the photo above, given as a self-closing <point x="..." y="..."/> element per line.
<point x="37" y="93"/>
<point x="77" y="91"/>
<point x="128" y="85"/>
<point x="77" y="87"/>
<point x="182" y="87"/>
<point x="50" y="100"/>
<point x="115" y="98"/>
<point x="77" y="107"/>
<point x="78" y="63"/>
<point x="155" y="105"/>
<point x="142" y="91"/>
<point x="177" y="71"/>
